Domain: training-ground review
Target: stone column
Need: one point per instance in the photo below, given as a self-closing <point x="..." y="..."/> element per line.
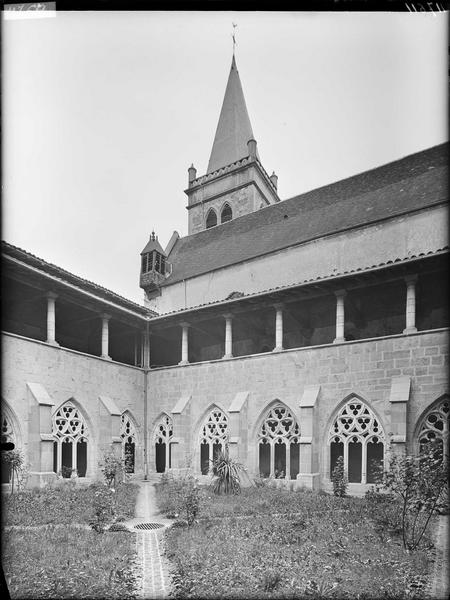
<point x="228" y="336"/>
<point x="184" y="344"/>
<point x="51" y="297"/>
<point x="105" y="336"/>
<point x="278" y="327"/>
<point x="340" y="315"/>
<point x="410" y="304"/>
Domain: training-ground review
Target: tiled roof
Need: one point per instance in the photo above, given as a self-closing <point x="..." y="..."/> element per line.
<point x="236" y="296"/>
<point x="408" y="184"/>
<point x="65" y="276"/>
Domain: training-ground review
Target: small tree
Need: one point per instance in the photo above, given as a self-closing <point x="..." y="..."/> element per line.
<point x="15" y="462"/>
<point x="339" y="478"/>
<point x="227" y="473"/>
<point x="419" y="482"/>
<point x="112" y="468"/>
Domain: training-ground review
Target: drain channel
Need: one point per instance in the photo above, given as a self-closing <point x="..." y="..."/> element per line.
<point x="148" y="526"/>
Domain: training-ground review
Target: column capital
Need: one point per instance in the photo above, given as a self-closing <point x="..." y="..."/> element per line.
<point x="278" y="305"/>
<point x="105" y="316"/>
<point x="185" y="324"/>
<point x="340" y="293"/>
<point x="409" y="279"/>
<point x="228" y="316"/>
<point x="51" y="295"/>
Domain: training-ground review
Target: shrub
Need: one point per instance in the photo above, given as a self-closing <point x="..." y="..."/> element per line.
<point x="103" y="508"/>
<point x="339" y="478"/>
<point x="226" y="472"/>
<point x="113" y="468"/>
<point x="191" y="500"/>
<point x="15" y="462"/>
<point x="419" y="482"/>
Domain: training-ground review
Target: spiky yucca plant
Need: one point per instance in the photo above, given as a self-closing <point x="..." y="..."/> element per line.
<point x="226" y="472"/>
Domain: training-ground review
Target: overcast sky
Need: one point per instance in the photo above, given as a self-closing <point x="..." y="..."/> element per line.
<point x="104" y="112"/>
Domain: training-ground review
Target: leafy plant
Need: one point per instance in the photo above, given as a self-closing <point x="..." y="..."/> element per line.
<point x="226" y="472"/>
<point x="419" y="482"/>
<point x="15" y="462"/>
<point x="103" y="508"/>
<point x="191" y="500"/>
<point x="339" y="478"/>
<point x="113" y="468"/>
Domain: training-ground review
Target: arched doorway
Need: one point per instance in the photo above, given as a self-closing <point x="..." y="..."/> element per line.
<point x="163" y="436"/>
<point x="7" y="437"/>
<point x="358" y="437"/>
<point x="213" y="437"/>
<point x="71" y="438"/>
<point x="279" y="444"/>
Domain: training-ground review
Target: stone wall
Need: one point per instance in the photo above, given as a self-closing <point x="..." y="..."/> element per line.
<point x="366" y="368"/>
<point x="64" y="375"/>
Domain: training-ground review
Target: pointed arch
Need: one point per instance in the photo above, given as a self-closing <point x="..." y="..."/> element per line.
<point x="11" y="433"/>
<point x="357" y="435"/>
<point x="128" y="434"/>
<point x="434" y="424"/>
<point x="278" y="438"/>
<point x="212" y="436"/>
<point x="71" y="434"/>
<point x="162" y="438"/>
<point x="226" y="214"/>
<point x="11" y="430"/>
<point x="211" y="218"/>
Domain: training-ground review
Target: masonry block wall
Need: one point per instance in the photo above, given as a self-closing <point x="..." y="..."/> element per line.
<point x="365" y="368"/>
<point x="69" y="375"/>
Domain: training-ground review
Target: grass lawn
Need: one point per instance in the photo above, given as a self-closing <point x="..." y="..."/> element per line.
<point x="60" y="560"/>
<point x="279" y="544"/>
<point x="64" y="562"/>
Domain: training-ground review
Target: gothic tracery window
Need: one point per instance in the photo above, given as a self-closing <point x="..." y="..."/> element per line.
<point x="279" y="444"/>
<point x="70" y="445"/>
<point x="358" y="437"/>
<point x="435" y="427"/>
<point x="163" y="437"/>
<point x="213" y="437"/>
<point x="128" y="435"/>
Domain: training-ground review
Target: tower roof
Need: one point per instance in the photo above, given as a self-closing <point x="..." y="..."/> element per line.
<point x="234" y="129"/>
<point x="153" y="244"/>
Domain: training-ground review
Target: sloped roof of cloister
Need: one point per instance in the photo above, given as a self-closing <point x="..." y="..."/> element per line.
<point x="81" y="284"/>
<point x="412" y="183"/>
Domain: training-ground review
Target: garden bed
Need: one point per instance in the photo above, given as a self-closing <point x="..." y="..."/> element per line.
<point x="318" y="545"/>
<point x="49" y="551"/>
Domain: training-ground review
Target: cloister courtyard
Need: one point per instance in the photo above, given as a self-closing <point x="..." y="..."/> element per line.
<point x="169" y="537"/>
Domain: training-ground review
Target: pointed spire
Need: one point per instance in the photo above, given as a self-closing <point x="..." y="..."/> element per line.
<point x="234" y="129"/>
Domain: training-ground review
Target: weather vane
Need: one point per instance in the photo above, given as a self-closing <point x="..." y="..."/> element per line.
<point x="233" y="35"/>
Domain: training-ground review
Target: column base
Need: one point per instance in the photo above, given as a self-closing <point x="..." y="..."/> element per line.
<point x="338" y="340"/>
<point x="278" y="349"/>
<point x="52" y="343"/>
<point x="183" y="362"/>
<point x="410" y="330"/>
<point x="227" y="356"/>
<point x="106" y="357"/>
<point x="311" y="481"/>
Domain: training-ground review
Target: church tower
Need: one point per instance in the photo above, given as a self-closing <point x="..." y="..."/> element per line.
<point x="235" y="183"/>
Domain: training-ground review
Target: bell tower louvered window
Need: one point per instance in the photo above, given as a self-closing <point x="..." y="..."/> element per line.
<point x="226" y="214"/>
<point x="211" y="218"/>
